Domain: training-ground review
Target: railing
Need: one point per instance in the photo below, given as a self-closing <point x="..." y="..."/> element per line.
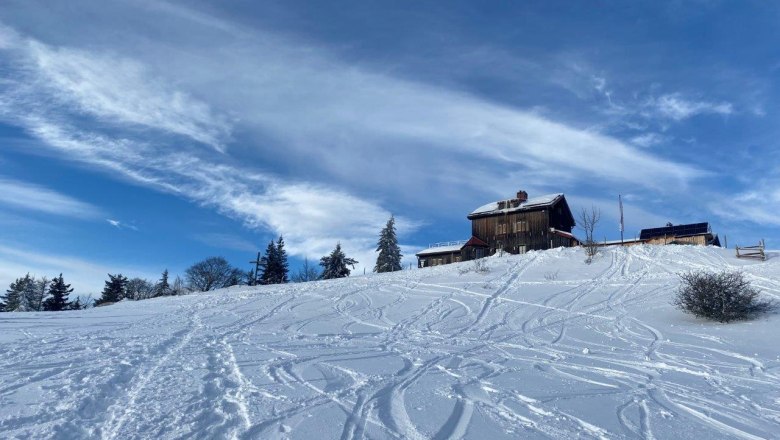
<point x="447" y="243"/>
<point x="755" y="252"/>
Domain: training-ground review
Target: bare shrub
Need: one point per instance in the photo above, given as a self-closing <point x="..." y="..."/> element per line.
<point x="588" y="220"/>
<point x="478" y="266"/>
<point x="551" y="276"/>
<point x="724" y="296"/>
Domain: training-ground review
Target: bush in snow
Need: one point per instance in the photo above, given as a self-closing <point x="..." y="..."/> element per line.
<point x="724" y="296"/>
<point x="588" y="221"/>
<point x="478" y="266"/>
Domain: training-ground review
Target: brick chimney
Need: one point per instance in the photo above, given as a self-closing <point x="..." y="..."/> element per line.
<point x="522" y="196"/>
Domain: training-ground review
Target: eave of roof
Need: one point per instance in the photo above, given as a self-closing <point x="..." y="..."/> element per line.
<point x="528" y="205"/>
<point x="473" y="241"/>
<point x="690" y="229"/>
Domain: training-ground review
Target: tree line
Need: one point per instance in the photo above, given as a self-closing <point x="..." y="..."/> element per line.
<point x="29" y="294"/>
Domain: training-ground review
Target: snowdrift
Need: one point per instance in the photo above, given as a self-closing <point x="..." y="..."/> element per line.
<point x="541" y="346"/>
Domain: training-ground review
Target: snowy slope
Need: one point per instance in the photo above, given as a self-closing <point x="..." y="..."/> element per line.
<point x="542" y="346"/>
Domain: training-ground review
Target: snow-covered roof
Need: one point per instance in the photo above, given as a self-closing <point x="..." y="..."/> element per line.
<point x="564" y="234"/>
<point x="535" y="202"/>
<point x="452" y="246"/>
<point x="441" y="250"/>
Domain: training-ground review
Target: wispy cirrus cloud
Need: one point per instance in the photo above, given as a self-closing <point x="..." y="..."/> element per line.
<point x="757" y="204"/>
<point x="677" y="107"/>
<point x="121" y="225"/>
<point x="113" y="89"/>
<point x="311" y="217"/>
<point x="649" y="139"/>
<point x="297" y="104"/>
<point x="85" y="276"/>
<point x="31" y="197"/>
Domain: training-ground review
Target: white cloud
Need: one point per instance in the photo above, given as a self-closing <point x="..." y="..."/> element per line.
<point x="121" y="225"/>
<point x="361" y="130"/>
<point x="646" y="140"/>
<point x="84" y="276"/>
<point x="121" y="90"/>
<point x="27" y="196"/>
<point x="675" y="106"/>
<point x="757" y="204"/>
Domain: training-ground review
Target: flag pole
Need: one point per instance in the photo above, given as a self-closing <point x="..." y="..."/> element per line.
<point x="620" y="202"/>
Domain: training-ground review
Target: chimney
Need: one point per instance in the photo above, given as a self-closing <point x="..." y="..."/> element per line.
<point x="522" y="196"/>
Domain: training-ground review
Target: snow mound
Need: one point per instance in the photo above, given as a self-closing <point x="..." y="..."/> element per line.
<point x="595" y="351"/>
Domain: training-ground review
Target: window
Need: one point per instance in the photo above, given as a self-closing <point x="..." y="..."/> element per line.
<point x="501" y="229"/>
<point x="521" y="226"/>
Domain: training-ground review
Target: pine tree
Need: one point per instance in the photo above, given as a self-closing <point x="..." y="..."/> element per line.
<point x="389" y="259"/>
<point x="335" y="264"/>
<point x="282" y="267"/>
<point x="274" y="264"/>
<point x="114" y="290"/>
<point x="163" y="288"/>
<point x="58" y="295"/>
<point x="28" y="294"/>
<point x="12" y="300"/>
<point x="268" y="264"/>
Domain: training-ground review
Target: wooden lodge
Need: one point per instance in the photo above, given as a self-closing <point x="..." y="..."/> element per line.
<point x="515" y="226"/>
<point x="521" y="224"/>
<point x="452" y="252"/>
<point x="695" y="233"/>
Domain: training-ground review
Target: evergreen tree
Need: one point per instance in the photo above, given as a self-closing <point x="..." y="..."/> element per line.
<point x="12" y="300"/>
<point x="28" y="294"/>
<point x="163" y="288"/>
<point x="335" y="264"/>
<point x="274" y="264"/>
<point x="58" y="295"/>
<point x="389" y="259"/>
<point x="114" y="290"/>
<point x="268" y="264"/>
<point x="282" y="267"/>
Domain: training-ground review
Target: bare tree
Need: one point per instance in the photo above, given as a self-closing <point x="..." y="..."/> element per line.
<point x="139" y="288"/>
<point x="587" y="222"/>
<point x="307" y="272"/>
<point x="212" y="273"/>
<point x="178" y="287"/>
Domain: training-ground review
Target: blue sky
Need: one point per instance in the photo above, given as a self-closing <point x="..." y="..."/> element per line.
<point x="143" y="135"/>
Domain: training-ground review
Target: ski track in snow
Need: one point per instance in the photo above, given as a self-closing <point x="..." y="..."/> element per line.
<point x="594" y="351"/>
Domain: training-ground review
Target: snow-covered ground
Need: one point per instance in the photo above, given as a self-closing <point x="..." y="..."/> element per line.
<point x="541" y="346"/>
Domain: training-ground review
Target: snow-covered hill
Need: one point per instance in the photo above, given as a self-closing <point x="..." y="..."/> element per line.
<point x="541" y="346"/>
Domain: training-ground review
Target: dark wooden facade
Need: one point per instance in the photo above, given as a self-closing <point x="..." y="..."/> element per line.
<point x="694" y="233"/>
<point x="462" y="251"/>
<point x="519" y="225"/>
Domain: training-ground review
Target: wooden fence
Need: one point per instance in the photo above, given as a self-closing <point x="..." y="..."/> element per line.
<point x="755" y="252"/>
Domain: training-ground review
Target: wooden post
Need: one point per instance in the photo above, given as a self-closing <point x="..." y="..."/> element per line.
<point x="257" y="268"/>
